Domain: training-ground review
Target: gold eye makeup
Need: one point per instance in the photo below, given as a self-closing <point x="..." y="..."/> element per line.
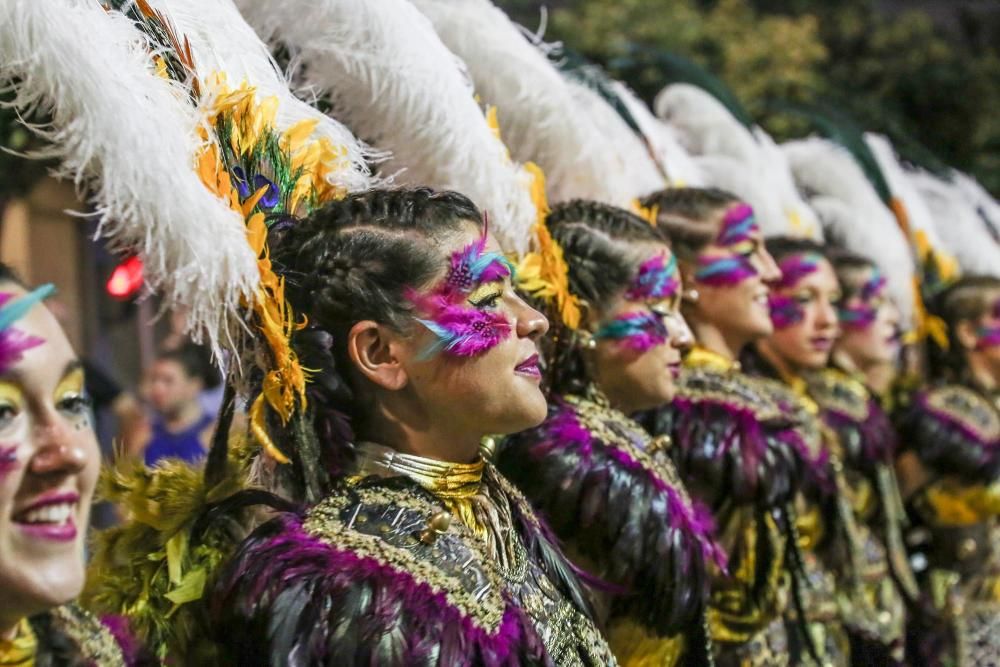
<point x="486" y="295"/>
<point x="72" y="383"/>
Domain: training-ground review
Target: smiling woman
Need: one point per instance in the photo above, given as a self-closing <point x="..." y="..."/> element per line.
<point x="49" y="460"/>
<point x="590" y="467"/>
<point x="857" y="546"/>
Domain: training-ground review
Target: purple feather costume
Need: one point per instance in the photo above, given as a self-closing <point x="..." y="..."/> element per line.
<point x="870" y="559"/>
<point x="741" y="454"/>
<point x="369" y="577"/>
<point x="620" y="506"/>
<point x="954" y="431"/>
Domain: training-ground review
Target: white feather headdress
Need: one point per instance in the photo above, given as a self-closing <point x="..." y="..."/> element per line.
<point x="962" y="230"/>
<point x="129" y="137"/>
<point x="709" y="130"/>
<point x="730" y="174"/>
<point x="390" y="78"/>
<point x="663" y="141"/>
<point x="705" y="125"/>
<point x="984" y="203"/>
<point x="223" y="42"/>
<point x="626" y="158"/>
<point x="852" y="212"/>
<point x="539" y="111"/>
<point x="919" y="216"/>
<point x="122" y="128"/>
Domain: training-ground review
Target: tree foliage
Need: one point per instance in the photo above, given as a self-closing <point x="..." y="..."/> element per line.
<point x="933" y="91"/>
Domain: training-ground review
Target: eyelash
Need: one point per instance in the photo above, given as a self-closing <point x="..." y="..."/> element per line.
<point x="76" y="404"/>
<point x="488" y="301"/>
<point x="7" y="412"/>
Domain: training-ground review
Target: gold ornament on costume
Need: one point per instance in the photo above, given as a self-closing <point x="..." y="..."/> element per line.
<point x="650" y="214"/>
<point x="460" y="487"/>
<point x="543" y="273"/>
<point x="21" y="649"/>
<point x="940" y="269"/>
<point x="263" y="173"/>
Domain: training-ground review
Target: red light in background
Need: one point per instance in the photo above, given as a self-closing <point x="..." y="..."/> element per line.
<point x="126" y="279"/>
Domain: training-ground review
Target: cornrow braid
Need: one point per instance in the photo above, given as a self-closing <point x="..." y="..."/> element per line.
<point x="350" y="261"/>
<point x="780" y="247"/>
<point x="597" y="240"/>
<point x="690" y="217"/>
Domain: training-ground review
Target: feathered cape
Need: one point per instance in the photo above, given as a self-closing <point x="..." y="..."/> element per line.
<point x="359" y="580"/>
<point x="954" y="431"/>
<point x="589" y="469"/>
<point x="864" y="431"/>
<point x="732" y="441"/>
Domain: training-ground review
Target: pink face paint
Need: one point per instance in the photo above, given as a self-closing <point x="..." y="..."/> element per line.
<point x="795" y="267"/>
<point x="638" y="331"/>
<point x="463" y="330"/>
<point x="657" y="279"/>
<point x="738" y="225"/>
<point x="13" y="343"/>
<point x="738" y="233"/>
<point x="860" y="312"/>
<point x="785" y="309"/>
<point x="8" y="460"/>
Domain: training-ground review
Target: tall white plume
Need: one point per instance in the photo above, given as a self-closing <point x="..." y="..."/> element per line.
<point x="538" y="110"/>
<point x="393" y="81"/>
<point x="728" y="173"/>
<point x="129" y="137"/>
<point x="798" y="218"/>
<point x="983" y="201"/>
<point x="663" y="141"/>
<point x="704" y="123"/>
<point x="222" y="41"/>
<point x="919" y="215"/>
<point x="852" y="212"/>
<point x="962" y="230"/>
<point x="625" y="153"/>
<point x="708" y="130"/>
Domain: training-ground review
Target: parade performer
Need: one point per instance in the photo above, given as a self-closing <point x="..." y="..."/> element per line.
<point x="848" y="530"/>
<point x="733" y="444"/>
<point x="49" y="459"/>
<point x="950" y="435"/>
<point x="419" y="552"/>
<point x="613" y="497"/>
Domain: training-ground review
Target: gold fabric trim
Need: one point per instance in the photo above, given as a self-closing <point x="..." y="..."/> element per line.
<point x="613" y="427"/>
<point x="634" y="646"/>
<point x="460" y="488"/>
<point x="19" y="651"/>
<point x="325" y="522"/>
<point x="969" y="408"/>
<point x="702" y="357"/>
<point x="835" y="390"/>
<point x="95" y="641"/>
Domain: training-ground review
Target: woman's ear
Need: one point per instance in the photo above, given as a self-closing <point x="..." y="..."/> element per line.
<point x="371" y="350"/>
<point x="965" y="333"/>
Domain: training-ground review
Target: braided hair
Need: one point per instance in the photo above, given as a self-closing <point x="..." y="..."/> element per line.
<point x="780" y="247"/>
<point x="350" y="261"/>
<point x="964" y="300"/>
<point x="597" y="240"/>
<point x="689" y="216"/>
<point x="851" y="270"/>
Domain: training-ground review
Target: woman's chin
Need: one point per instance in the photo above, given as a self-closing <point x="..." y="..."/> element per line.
<point x="533" y="412"/>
